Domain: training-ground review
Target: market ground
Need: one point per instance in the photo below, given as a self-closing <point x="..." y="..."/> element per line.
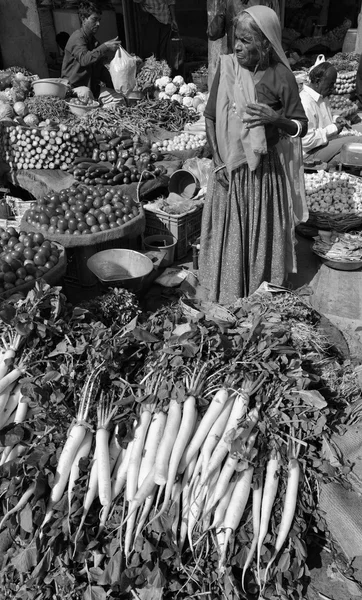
<point x="337" y="295"/>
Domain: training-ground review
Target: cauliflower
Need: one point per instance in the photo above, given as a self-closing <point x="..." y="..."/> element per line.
<point x="163" y="96"/>
<point x="170" y="89"/>
<point x="178" y="80"/>
<point x="200" y="109"/>
<point x="176" y="98"/>
<point x="187" y="101"/>
<point x="162" y="82"/>
<point x="185" y="90"/>
<point x="193" y="88"/>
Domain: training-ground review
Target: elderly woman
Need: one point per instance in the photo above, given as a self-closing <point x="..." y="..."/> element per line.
<point x="322" y="140"/>
<point x="254" y="121"/>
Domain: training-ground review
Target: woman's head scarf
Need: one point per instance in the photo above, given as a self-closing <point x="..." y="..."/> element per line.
<point x="267" y="21"/>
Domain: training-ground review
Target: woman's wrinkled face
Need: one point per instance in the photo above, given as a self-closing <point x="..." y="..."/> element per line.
<point x="91" y="24"/>
<point x="326" y="85"/>
<point x="245" y="48"/>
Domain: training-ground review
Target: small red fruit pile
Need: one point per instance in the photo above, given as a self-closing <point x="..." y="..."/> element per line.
<point x="24" y="257"/>
<point x="82" y="210"/>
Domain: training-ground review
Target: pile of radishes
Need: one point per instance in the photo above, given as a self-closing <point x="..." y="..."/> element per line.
<point x="177" y="90"/>
<point x="334" y="193"/>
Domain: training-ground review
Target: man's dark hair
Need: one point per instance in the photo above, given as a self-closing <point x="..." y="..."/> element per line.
<point x="88" y="7"/>
<point x="317" y="74"/>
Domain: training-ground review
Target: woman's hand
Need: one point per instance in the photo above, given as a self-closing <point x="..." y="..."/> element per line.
<point x="221" y="176"/>
<point x="259" y="114"/>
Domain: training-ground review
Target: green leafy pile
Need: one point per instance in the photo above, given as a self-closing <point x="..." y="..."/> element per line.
<point x="272" y="336"/>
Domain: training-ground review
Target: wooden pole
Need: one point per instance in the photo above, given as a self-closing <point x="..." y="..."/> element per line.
<point x="127" y="24"/>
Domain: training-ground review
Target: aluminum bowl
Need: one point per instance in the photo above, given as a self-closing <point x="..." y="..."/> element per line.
<point x="121" y="267"/>
<point x="50" y="87"/>
<point x="82" y="109"/>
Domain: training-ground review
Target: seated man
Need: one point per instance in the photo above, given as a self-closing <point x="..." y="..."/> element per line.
<point x="84" y="57"/>
<point x="322" y="140"/>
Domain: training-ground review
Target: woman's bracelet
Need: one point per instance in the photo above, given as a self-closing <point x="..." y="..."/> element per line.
<point x="299" y="130"/>
<point x="219" y="168"/>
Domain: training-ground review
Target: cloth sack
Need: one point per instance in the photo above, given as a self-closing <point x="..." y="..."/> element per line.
<point x="123" y="71"/>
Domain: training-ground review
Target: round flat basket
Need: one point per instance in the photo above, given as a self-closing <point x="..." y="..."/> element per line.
<point x="340" y="265"/>
<point x="341" y="223"/>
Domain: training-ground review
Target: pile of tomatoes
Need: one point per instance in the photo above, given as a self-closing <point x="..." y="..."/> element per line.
<point x="24" y="257"/>
<point x="82" y="210"/>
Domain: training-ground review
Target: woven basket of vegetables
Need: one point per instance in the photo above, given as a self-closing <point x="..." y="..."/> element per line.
<point x="334" y="200"/>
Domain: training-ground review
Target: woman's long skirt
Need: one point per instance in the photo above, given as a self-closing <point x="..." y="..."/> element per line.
<point x="246" y="232"/>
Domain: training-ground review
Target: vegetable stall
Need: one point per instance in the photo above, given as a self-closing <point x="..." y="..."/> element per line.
<point x="178" y="453"/>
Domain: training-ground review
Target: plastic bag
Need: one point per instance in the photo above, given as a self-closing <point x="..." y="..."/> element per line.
<point x="123" y="71"/>
<point x="200" y="167"/>
<point x="320" y="59"/>
<point x="177" y="52"/>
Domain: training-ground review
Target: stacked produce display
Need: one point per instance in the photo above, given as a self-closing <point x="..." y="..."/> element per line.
<point x="82" y="210"/>
<point x="334" y="192"/>
<point x="161" y="456"/>
<point x="53" y="146"/>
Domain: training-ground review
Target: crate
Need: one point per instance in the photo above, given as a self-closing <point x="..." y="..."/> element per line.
<point x="186" y="228"/>
<point x="77" y="273"/>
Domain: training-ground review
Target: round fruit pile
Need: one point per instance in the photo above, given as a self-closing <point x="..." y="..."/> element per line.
<point x="24" y="257"/>
<point x="183" y="141"/>
<point x="346" y="82"/>
<point x="342" y="105"/>
<point x="82" y="210"/>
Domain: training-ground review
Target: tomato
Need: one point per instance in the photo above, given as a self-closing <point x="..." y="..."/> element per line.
<point x="13" y="232"/>
<point x="29" y="278"/>
<point x="44" y="219"/>
<point x="69" y="214"/>
<point x="135" y="211"/>
<point x="95" y="229"/>
<point x="107" y="209"/>
<point x="62" y="224"/>
<point x="54" y="198"/>
<point x="97" y="202"/>
<point x="47" y="244"/>
<point x="82" y="226"/>
<point x="102" y="218"/>
<point x="40" y="260"/>
<point x="108" y="196"/>
<point x="10" y="277"/>
<point x="80" y="197"/>
<point x="16" y="254"/>
<point x="80" y="208"/>
<point x="21" y="273"/>
<point x="12" y="242"/>
<point x="65" y="206"/>
<point x="38" y="238"/>
<point x="72" y="224"/>
<point x="59" y="211"/>
<point x="79" y="216"/>
<point x="53" y="259"/>
<point x="4" y="266"/>
<point x="125" y="218"/>
<point x="127" y="180"/>
<point x="104" y="226"/>
<point x="120" y="221"/>
<point x="29" y="267"/>
<point x="8" y="286"/>
<point x="113" y="225"/>
<point x="90" y="220"/>
<point x="5" y="236"/>
<point x="112" y="218"/>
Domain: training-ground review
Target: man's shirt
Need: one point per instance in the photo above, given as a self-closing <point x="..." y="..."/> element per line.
<point x="320" y="120"/>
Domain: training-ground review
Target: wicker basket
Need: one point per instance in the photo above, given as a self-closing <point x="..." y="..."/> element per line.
<point x="201" y="81"/>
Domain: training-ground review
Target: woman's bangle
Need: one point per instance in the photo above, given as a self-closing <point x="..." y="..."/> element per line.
<point x="299" y="130"/>
<point x="219" y="168"/>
